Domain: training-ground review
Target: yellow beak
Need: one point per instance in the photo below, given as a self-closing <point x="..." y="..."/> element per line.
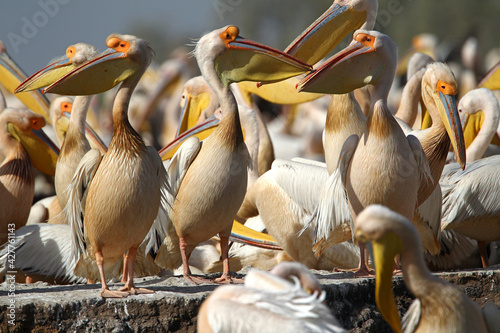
<point x="42" y="151"/>
<point x="321" y="37"/>
<point x="11" y="76"/>
<point x="245" y="235"/>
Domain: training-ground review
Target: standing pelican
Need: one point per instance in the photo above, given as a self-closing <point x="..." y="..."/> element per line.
<point x="123" y="186"/>
<point x="23" y="145"/>
<point x="75" y="145"/>
<point x="214" y="181"/>
<point x="268" y="302"/>
<point x="381" y="166"/>
<point x="480" y="114"/>
<point x="439" y="306"/>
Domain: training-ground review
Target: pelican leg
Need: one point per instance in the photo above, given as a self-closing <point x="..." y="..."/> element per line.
<point x="185" y="265"/>
<point x="129" y="285"/>
<point x="483" y="253"/>
<point x="105" y="292"/>
<point x="125" y="268"/>
<point x="363" y="269"/>
<point x="224" y="249"/>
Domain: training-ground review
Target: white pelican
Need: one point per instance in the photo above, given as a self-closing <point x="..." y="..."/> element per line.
<point x="124" y="186"/>
<point x="383" y="166"/>
<point x="439" y="307"/>
<point x="213" y="176"/>
<point x="480" y="114"/>
<point x="24" y="147"/>
<point x="287" y="299"/>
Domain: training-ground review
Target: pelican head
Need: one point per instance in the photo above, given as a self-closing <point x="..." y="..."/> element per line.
<point x="369" y="59"/>
<point x="75" y="56"/>
<point x="321" y="37"/>
<point x="384" y="229"/>
<point x="26" y="127"/>
<point x="471" y="114"/>
<point x="239" y="59"/>
<point x="60" y="110"/>
<point x="439" y="88"/>
<point x="126" y="58"/>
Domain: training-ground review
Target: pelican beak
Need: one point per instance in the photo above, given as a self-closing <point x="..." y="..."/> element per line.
<point x="492" y="79"/>
<point x="471" y="124"/>
<point x="11" y="76"/>
<point x="96" y="75"/>
<point x="94" y="139"/>
<point x="245" y="235"/>
<point x="201" y="131"/>
<point x="384" y="251"/>
<point x="344" y="71"/>
<point x="245" y="60"/>
<point x="43" y="152"/>
<point x="47" y="75"/>
<point x="444" y="98"/>
<point x="192" y="108"/>
<point x="321" y="37"/>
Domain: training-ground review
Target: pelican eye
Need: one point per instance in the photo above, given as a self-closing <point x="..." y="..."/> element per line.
<point x="70" y="52"/>
<point x="446" y="88"/>
<point x="230" y="34"/>
<point x="37" y="124"/>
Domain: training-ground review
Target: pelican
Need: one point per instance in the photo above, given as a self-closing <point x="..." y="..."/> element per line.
<point x="269" y="302"/>
<point x="214" y="178"/>
<point x="480" y="114"/>
<point x="128" y="176"/>
<point x="383" y="166"/>
<point x="439" y="307"/>
<point x="75" y="145"/>
<point x="24" y="146"/>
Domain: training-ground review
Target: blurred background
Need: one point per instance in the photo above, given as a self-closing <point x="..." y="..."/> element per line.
<point x="35" y="32"/>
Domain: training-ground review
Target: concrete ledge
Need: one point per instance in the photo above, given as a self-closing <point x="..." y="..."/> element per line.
<point x="174" y="306"/>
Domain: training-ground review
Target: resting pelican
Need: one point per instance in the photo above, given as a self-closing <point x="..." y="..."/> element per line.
<point x="75" y="145"/>
<point x="23" y="146"/>
<point x="383" y="166"/>
<point x="128" y="176"/>
<point x="269" y="302"/>
<point x="439" y="307"/>
<point x="214" y="178"/>
<point x="480" y="114"/>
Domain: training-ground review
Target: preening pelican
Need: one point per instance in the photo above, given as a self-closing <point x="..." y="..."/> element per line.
<point x="23" y="146"/>
<point x="213" y="181"/>
<point x="480" y="114"/>
<point x="124" y="186"/>
<point x="383" y="166"/>
<point x="439" y="307"/>
<point x="269" y="302"/>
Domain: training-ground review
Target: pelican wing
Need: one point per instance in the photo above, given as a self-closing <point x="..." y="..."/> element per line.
<point x="44" y="249"/>
<point x="180" y="162"/>
<point x="471" y="193"/>
<point x="412" y="317"/>
<point x="332" y="219"/>
<point x="77" y="196"/>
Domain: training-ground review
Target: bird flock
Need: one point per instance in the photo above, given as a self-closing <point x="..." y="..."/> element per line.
<point x="160" y="170"/>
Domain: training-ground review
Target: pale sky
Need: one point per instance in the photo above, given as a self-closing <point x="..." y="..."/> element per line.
<point x="36" y="31"/>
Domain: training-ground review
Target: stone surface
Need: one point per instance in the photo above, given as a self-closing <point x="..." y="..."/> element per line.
<point x="173" y="308"/>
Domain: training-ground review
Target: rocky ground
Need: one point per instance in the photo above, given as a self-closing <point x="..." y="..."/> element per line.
<point x="173" y="308"/>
